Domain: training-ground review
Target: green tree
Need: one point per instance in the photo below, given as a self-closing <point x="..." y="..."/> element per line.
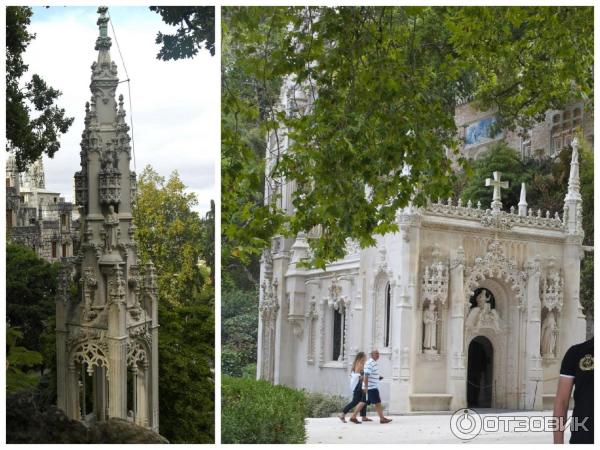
<point x="500" y="158"/>
<point x="196" y="28"/>
<point x="173" y="236"/>
<point x="31" y="284"/>
<point x="239" y="325"/>
<point x="387" y="80"/>
<point x="19" y="361"/>
<point x="29" y="135"/>
<point x="546" y="182"/>
<point x="247" y="102"/>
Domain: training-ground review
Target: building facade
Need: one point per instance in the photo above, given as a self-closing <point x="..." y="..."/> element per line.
<point x="545" y="139"/>
<point x="469" y="305"/>
<point x="39" y="218"/>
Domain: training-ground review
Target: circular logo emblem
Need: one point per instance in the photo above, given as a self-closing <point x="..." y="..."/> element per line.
<point x="587" y="363"/>
<point x="465" y="424"/>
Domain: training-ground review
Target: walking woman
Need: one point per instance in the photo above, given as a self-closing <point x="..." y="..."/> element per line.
<point x="358" y="396"/>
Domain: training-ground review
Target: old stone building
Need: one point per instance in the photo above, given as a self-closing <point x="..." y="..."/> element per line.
<point x="469" y="305"/>
<point x="545" y="139"/>
<point x="107" y="335"/>
<point x="37" y="217"/>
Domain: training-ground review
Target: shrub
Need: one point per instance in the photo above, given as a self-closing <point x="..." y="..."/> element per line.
<point x="230" y="362"/>
<point x="323" y="405"/>
<point x="257" y="412"/>
<point x="249" y="371"/>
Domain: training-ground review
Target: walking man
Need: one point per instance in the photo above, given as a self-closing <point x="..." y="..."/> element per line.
<point x="371" y="385"/>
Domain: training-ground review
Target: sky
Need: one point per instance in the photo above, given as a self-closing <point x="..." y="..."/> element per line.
<point x="175" y="104"/>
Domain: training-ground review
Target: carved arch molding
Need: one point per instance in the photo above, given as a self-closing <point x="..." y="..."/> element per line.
<point x="496" y="265"/>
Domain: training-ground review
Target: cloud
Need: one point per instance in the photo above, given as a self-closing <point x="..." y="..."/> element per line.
<point x="175" y="104"/>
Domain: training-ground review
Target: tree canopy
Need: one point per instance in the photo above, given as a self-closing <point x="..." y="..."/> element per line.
<point x="31" y="284"/>
<point x="177" y="241"/>
<point x="34" y="122"/>
<point x="196" y="29"/>
<point x="382" y="84"/>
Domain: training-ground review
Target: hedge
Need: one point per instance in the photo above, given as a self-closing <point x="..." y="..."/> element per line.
<point x="324" y="405"/>
<point x="257" y="412"/>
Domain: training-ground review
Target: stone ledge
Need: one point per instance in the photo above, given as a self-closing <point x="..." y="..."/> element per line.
<point x="430" y="402"/>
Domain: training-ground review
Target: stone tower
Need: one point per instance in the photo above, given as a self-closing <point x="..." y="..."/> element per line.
<point x="107" y="335"/>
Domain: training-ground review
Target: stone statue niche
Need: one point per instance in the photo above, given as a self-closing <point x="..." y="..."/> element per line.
<point x="482" y="313"/>
<point x="549" y="333"/>
<point x="431" y="328"/>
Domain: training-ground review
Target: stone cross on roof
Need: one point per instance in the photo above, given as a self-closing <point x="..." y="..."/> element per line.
<point x="498" y="185"/>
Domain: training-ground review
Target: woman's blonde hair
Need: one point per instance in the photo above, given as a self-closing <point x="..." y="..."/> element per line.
<point x="359" y="357"/>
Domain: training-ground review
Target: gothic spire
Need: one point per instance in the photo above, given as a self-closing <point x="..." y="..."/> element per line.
<point x="104" y="70"/>
<point x="573" y="192"/>
<point x="523" y="201"/>
<point x="103" y="42"/>
<point x="573" y="202"/>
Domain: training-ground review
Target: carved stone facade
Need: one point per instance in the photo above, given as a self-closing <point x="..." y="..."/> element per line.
<point x="37" y="217"/>
<point x="107" y="334"/>
<point x="469" y="305"/>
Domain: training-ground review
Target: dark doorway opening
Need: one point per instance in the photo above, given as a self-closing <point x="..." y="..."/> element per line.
<point x="480" y="373"/>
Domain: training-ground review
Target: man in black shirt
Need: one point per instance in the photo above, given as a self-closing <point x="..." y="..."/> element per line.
<point x="577" y="369"/>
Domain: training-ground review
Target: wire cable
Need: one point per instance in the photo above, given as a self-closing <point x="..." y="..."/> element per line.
<point x="128" y="80"/>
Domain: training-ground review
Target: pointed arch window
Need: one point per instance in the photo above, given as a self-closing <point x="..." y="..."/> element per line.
<point x="338" y="334"/>
<point x="388" y="315"/>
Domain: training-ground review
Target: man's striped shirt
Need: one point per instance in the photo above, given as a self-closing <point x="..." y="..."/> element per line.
<point x="372" y="370"/>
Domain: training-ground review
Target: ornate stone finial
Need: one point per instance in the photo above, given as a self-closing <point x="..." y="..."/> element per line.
<point x="103" y="20"/>
<point x="573" y="192"/>
<point x="497" y="184"/>
<point x="103" y="41"/>
<point x="469" y="204"/>
<point x="523" y="201"/>
<point x="478" y="204"/>
<point x="300" y="248"/>
<point x="120" y="102"/>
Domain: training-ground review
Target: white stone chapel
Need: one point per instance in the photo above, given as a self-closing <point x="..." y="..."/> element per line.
<point x="469" y="305"/>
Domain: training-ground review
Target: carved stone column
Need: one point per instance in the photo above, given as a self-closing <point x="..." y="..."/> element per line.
<point x="72" y="392"/>
<point x="61" y="369"/>
<point x="533" y="363"/>
<point x="406" y="252"/>
<point x="141" y="386"/>
<point x="117" y="347"/>
<point x="283" y="366"/>
<point x="456" y="368"/>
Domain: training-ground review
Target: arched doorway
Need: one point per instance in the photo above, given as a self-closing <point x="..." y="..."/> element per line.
<point x="480" y="373"/>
